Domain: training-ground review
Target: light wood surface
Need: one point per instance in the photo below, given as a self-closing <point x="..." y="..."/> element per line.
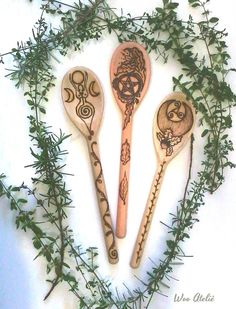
<point x="83" y="100"/>
<point x="172" y="127"/>
<point x="130" y="73"/>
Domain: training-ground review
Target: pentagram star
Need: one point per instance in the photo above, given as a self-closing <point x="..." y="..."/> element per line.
<point x="128" y="85"/>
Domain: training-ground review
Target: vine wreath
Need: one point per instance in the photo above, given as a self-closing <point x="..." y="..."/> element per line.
<point x="203" y="79"/>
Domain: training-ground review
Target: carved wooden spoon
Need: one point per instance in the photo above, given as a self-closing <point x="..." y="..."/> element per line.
<point x="83" y="100"/>
<point x="130" y="74"/>
<point x="173" y="125"/>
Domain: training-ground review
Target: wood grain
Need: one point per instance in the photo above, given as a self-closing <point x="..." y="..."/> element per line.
<point x="130" y="73"/>
<point x="172" y="127"/>
<point x="103" y="201"/>
<point x="125" y="158"/>
<point x="83" y="100"/>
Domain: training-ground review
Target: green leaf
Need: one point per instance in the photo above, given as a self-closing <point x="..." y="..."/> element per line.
<point x="214" y="20"/>
<point x="42" y="110"/>
<point x="48" y="256"/>
<point x="228" y="121"/>
<point x="37" y="244"/>
<point x="170" y="244"/>
<point x="205" y="132"/>
<point x="172" y="5"/>
<point x="22" y="201"/>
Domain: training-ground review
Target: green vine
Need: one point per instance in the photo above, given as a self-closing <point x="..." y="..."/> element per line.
<point x="203" y="79"/>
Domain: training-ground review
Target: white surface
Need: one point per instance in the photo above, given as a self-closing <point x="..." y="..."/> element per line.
<point x="211" y="270"/>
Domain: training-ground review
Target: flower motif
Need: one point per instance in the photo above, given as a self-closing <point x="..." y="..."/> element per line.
<point x="168" y="140"/>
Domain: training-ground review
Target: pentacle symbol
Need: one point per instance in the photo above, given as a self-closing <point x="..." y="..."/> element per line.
<point x="129" y="80"/>
<point x="128" y="86"/>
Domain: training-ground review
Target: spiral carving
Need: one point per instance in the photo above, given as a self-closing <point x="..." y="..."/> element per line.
<point x="106" y="217"/>
<point x="175" y="116"/>
<point x="83" y="88"/>
<point x="113" y="253"/>
<point x="85" y="111"/>
<point x="176" y="111"/>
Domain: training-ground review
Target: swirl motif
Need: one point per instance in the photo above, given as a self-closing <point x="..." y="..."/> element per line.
<point x="82" y="90"/>
<point x="174" y="120"/>
<point x="106" y="217"/>
<point x="113" y="253"/>
<point x="176" y="116"/>
<point x="176" y="111"/>
<point x="85" y="111"/>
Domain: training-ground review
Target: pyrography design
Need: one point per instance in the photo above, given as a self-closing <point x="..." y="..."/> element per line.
<point x="150" y="210"/>
<point x="103" y="199"/>
<point x="174" y="120"/>
<point x="129" y="79"/>
<point x="123" y="189"/>
<point x="81" y="90"/>
<point x="125" y="152"/>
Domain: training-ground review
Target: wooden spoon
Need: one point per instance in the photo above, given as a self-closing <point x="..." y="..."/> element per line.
<point x="173" y="125"/>
<point x="130" y="74"/>
<point x="83" y="100"/>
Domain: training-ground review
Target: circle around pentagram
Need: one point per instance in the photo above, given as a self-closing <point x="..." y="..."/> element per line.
<point x="128" y="86"/>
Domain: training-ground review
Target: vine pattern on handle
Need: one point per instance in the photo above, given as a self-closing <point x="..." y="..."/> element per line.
<point x="103" y="199"/>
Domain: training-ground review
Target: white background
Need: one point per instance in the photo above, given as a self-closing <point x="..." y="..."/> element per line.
<point x="211" y="269"/>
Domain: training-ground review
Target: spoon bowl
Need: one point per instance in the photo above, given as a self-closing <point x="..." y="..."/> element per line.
<point x="83" y="100"/>
<point x="173" y="124"/>
<point x="130" y="74"/>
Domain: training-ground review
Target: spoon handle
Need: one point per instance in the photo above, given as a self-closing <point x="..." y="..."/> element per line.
<point x="147" y="216"/>
<point x="103" y="201"/>
<point x="122" y="206"/>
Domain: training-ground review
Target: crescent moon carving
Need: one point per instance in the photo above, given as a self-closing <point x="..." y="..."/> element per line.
<point x="92" y="91"/>
<point x="70" y="95"/>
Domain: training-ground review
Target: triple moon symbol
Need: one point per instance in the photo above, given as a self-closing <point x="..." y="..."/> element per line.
<point x="79" y="80"/>
<point x="70" y="95"/>
<point x="128" y="86"/>
<point x="93" y="89"/>
<point x="176" y="116"/>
